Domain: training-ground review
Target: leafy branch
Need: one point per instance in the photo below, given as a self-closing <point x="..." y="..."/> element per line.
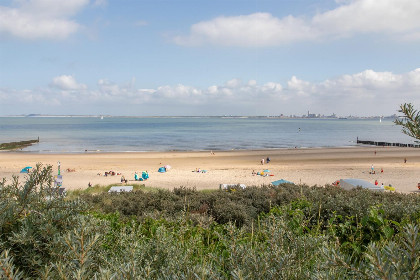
<point x="410" y="122"/>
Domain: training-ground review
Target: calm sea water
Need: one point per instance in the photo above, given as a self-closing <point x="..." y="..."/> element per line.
<point x="120" y="134"/>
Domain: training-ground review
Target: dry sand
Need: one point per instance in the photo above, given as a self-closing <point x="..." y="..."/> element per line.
<point x="318" y="166"/>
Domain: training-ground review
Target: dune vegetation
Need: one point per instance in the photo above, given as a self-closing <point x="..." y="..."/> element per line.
<point x="284" y="232"/>
<point x="17" y="145"/>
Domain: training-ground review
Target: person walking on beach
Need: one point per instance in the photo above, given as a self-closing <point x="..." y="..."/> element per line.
<point x="262" y="162"/>
<point x="372" y="169"/>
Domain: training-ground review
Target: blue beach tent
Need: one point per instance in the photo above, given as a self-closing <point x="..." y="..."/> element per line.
<point x="137" y="178"/>
<point x="162" y="170"/>
<point x="145" y="175"/>
<point x="281" y="181"/>
<point x="26" y="169"/>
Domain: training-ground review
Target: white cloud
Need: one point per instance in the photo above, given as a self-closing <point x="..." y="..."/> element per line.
<point x="259" y="29"/>
<point x="33" y="19"/>
<point x="234" y="83"/>
<point x="67" y="82"/>
<point x="390" y="17"/>
<point x="365" y="93"/>
<point x="365" y="16"/>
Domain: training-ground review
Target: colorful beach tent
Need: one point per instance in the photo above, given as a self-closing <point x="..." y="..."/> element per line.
<point x="281" y="181"/>
<point x="26" y="169"/>
<point x="137" y="178"/>
<point x="162" y="170"/>
<point x="348" y="184"/>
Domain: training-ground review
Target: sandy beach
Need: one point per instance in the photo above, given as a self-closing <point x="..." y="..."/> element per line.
<point x="318" y="166"/>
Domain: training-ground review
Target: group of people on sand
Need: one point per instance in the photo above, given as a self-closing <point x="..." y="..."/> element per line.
<point x="376" y="183"/>
<point x="372" y="170"/>
<point x="267" y="160"/>
<point x="198" y="170"/>
<point x="110" y="173"/>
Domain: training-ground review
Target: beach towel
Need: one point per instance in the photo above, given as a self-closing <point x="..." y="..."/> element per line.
<point x="281" y="181"/>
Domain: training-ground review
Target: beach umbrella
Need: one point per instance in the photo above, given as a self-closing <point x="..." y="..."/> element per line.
<point x="281" y="181"/>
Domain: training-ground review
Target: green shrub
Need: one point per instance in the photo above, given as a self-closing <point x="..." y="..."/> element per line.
<point x="285" y="232"/>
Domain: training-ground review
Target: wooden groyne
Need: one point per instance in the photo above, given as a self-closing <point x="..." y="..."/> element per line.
<point x="383" y="144"/>
<point x="18" y="145"/>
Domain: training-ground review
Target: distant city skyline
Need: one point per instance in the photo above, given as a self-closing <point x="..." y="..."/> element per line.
<point x="309" y="115"/>
<point x="209" y="57"/>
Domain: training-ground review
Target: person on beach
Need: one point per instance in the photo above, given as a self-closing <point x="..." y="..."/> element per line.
<point x="405" y="160"/>
<point x="372" y="169"/>
<point x="262" y="162"/>
<point x="268" y="160"/>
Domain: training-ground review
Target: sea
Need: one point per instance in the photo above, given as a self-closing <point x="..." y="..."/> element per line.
<point x="142" y="134"/>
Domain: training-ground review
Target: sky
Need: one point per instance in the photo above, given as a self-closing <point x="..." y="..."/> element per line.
<point x="209" y="57"/>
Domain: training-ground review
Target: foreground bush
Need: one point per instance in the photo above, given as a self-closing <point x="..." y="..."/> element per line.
<point x="243" y="206"/>
<point x="44" y="236"/>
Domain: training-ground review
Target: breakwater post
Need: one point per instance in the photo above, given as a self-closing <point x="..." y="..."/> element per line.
<point x="388" y="144"/>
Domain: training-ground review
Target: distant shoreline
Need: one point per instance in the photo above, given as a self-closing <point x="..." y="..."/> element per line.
<point x="294" y="117"/>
